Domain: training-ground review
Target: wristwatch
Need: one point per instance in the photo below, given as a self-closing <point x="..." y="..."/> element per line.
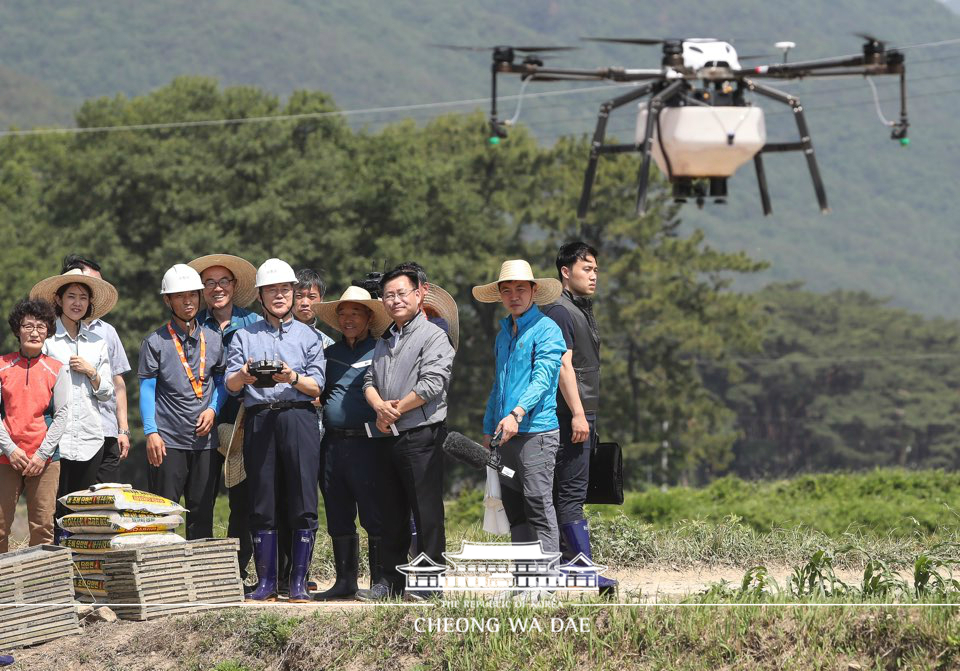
<point x="297" y="380"/>
<point x="516" y="416"/>
<point x="123" y="432"/>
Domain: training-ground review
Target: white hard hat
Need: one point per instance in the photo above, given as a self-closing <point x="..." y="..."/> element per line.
<point x="275" y="271"/>
<point x="180" y="277"/>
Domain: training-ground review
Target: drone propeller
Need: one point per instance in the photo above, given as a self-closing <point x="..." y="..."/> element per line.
<point x="647" y="41"/>
<point x="756" y="57"/>
<point x="526" y="49"/>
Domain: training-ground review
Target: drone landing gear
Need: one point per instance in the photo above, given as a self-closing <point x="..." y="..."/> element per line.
<point x="805" y="145"/>
<point x="597" y="147"/>
<point x="663" y="96"/>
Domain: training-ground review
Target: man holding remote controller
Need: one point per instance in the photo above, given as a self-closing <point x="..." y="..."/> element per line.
<point x="278" y="363"/>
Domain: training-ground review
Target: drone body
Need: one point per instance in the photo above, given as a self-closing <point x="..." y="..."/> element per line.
<point x="696" y="120"/>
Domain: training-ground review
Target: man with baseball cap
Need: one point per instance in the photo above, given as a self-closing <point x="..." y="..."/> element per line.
<point x="278" y="364"/>
<point x="228" y="287"/>
<point x="181" y="391"/>
<point x="351" y="456"/>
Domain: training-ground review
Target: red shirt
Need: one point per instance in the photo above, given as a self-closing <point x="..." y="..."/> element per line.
<point x="26" y="388"/>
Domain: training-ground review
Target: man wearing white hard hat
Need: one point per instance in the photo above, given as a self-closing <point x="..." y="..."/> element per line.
<point x="181" y="391"/>
<point x="522" y="406"/>
<point x="351" y="457"/>
<point x="78" y="298"/>
<point x="229" y="286"/>
<point x="278" y="364"/>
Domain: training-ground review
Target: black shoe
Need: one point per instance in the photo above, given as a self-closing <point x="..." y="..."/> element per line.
<point x="378" y="592"/>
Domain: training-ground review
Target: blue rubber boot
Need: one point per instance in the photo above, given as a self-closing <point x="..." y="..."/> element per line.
<point x="265" y="558"/>
<point x="300" y="553"/>
<point x="576" y="537"/>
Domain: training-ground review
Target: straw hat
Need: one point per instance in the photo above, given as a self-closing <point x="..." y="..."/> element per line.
<point x="547" y="291"/>
<point x="245" y="291"/>
<point x="231" y="447"/>
<point x="327" y="312"/>
<point x="445" y="306"/>
<point x="104" y="293"/>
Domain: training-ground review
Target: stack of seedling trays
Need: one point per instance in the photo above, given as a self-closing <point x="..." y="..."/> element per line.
<point x="144" y="583"/>
<point x="36" y="596"/>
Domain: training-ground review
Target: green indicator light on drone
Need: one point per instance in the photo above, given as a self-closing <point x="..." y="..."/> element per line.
<point x="904" y="141"/>
<point x="494" y="140"/>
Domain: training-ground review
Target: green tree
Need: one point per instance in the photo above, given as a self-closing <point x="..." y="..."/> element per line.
<point x="845" y="381"/>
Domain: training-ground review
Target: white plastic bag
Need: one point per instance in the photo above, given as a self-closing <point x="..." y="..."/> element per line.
<point x="494" y="516"/>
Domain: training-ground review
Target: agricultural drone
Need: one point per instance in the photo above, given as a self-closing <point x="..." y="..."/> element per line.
<point x="695" y="119"/>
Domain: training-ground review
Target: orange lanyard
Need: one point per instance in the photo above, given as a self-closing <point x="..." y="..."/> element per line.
<point x="196" y="384"/>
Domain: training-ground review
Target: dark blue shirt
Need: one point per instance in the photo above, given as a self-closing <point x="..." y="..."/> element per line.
<point x="344" y="405"/>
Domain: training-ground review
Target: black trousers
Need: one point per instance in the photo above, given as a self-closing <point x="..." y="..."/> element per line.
<point x="238" y="524"/>
<point x="111" y="460"/>
<point x="77" y="475"/>
<point x="281" y="455"/>
<point x="349" y="483"/>
<point x="571" y="475"/>
<point x="194" y="475"/>
<point x="410" y="478"/>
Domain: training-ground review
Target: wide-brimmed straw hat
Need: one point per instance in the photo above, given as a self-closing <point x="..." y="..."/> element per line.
<point x="327" y="312"/>
<point x="104" y="293"/>
<point x="231" y="447"/>
<point x="446" y="307"/>
<point x="548" y="289"/>
<point x="245" y="290"/>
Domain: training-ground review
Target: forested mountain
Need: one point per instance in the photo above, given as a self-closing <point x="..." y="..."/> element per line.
<point x="893" y="230"/>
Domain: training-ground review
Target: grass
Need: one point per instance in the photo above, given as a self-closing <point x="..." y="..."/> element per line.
<point x="891" y="515"/>
<point x="761" y="637"/>
<point x="883" y="502"/>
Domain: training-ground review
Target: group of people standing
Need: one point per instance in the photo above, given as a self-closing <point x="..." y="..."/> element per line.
<point x="285" y="412"/>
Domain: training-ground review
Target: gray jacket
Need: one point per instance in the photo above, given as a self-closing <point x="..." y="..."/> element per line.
<point x="418" y="358"/>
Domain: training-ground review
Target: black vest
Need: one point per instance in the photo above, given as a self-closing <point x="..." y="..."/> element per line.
<point x="586" y="354"/>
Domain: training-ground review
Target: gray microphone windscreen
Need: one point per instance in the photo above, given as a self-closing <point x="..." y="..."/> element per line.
<point x="463" y="449"/>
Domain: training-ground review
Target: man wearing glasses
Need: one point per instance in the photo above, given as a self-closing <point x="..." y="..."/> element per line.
<point x="228" y="287"/>
<point x="407" y="386"/>
<point x="281" y="439"/>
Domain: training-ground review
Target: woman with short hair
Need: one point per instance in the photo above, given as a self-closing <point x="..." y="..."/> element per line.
<point x="32" y="387"/>
<point x="78" y="298"/>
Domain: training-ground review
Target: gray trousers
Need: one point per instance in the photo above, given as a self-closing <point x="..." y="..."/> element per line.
<point x="528" y="496"/>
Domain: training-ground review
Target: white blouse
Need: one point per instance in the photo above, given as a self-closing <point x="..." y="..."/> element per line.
<point x="83" y="435"/>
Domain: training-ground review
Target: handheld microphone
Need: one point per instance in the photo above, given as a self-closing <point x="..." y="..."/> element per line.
<point x="474" y="454"/>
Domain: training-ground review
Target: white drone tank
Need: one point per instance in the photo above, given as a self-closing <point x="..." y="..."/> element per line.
<point x="704" y="141"/>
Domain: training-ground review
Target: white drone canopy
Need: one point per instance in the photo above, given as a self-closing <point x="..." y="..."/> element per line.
<point x="707" y="52"/>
